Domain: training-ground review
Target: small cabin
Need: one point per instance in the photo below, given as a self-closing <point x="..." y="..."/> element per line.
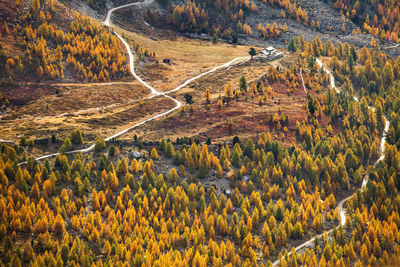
<point x="270" y="53"/>
<point x="270" y="49"/>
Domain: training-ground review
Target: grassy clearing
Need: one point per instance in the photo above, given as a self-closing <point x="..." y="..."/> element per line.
<point x="103" y="123"/>
<point x="36" y="122"/>
<point x="248" y="117"/>
<point x="189" y="58"/>
<point x="72" y="98"/>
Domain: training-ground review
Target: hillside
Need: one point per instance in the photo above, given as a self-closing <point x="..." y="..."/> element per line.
<point x="54" y="44"/>
<point x="277" y="21"/>
<point x="166" y="133"/>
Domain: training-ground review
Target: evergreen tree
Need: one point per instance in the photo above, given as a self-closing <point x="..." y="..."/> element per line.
<point x="243" y="84"/>
<point x="76" y="137"/>
<point x="154" y="154"/>
<point x="99" y="144"/>
<point x="236" y="159"/>
<point x="203" y="171"/>
<point x="66" y="146"/>
<point x="173" y="176"/>
<point x="111" y="151"/>
<point x="350" y="62"/>
<point x="169" y="150"/>
<point x="249" y="149"/>
<point x="292" y="46"/>
<point x="252" y="52"/>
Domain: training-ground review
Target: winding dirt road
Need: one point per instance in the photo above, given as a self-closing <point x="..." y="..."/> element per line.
<point x="342" y="211"/>
<point x="302" y="81"/>
<point x="71" y="84"/>
<point x="154" y="92"/>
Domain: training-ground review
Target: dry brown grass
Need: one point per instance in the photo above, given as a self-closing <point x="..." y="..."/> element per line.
<point x="46" y="102"/>
<point x="249" y="118"/>
<point x="40" y="116"/>
<point x="189" y="58"/>
<point x="103" y="123"/>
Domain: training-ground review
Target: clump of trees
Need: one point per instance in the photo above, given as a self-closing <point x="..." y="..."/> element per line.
<point x="218" y="18"/>
<point x="290" y="10"/>
<point x="89" y="52"/>
<point x="271" y="31"/>
<point x="379" y="18"/>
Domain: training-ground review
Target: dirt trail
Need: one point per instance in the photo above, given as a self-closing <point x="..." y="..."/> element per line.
<point x="154" y="91"/>
<point x="302" y="81"/>
<point x="73" y="84"/>
<point x="33" y="118"/>
<point x="342" y="211"/>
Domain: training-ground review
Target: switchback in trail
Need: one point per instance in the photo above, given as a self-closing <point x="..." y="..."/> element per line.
<point x="154" y="92"/>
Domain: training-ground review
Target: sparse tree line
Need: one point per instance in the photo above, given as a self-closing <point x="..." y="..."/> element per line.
<point x="271" y="31"/>
<point x="224" y="19"/>
<point x="227" y="19"/>
<point x="291" y="10"/>
<point x="263" y="89"/>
